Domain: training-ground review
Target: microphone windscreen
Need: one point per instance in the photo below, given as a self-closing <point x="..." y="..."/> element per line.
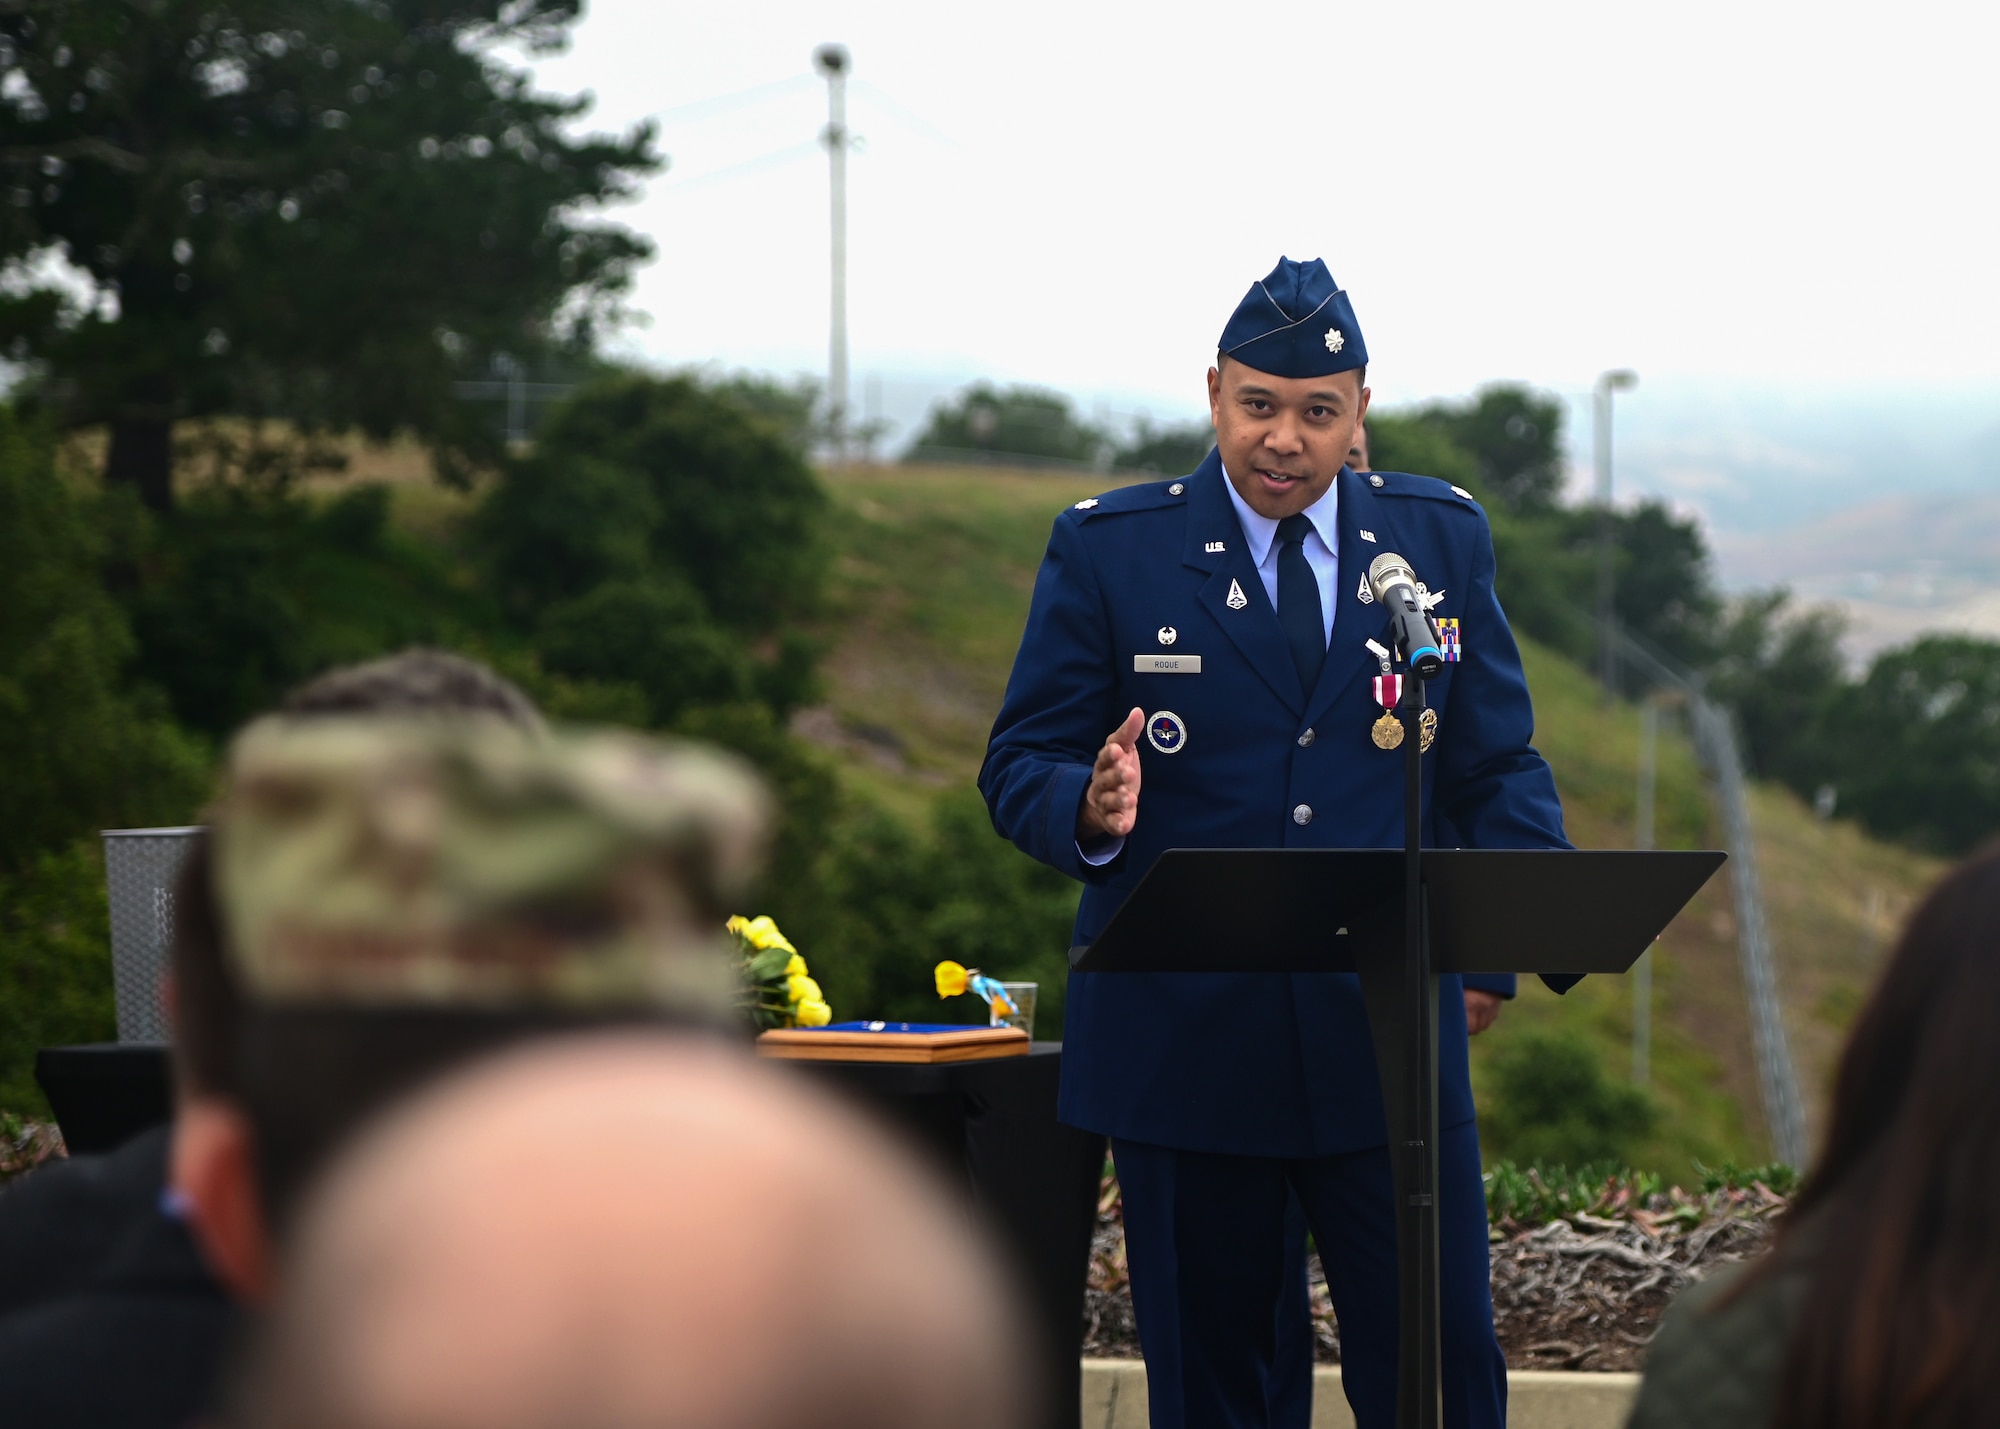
<point x="1386" y="570"/>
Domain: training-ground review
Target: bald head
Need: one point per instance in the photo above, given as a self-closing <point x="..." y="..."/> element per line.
<point x="626" y="1231"/>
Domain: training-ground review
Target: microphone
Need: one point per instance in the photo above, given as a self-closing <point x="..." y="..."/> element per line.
<point x="1395" y="586"/>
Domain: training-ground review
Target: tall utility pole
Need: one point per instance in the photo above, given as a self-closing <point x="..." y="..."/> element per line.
<point x="832" y="61"/>
<point x="1642" y="837"/>
<point x="1617" y="380"/>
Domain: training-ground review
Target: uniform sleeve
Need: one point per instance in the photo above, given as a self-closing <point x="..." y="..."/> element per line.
<point x="1491" y="784"/>
<point x="1057" y="712"/>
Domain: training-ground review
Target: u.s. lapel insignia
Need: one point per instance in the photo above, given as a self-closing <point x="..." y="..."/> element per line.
<point x="1167" y="732"/>
<point x="1237" y="599"/>
<point x="1365" y="595"/>
<point x="1369" y="536"/>
<point x="1212" y="547"/>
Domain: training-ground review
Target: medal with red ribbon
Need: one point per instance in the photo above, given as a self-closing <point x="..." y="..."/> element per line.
<point x="1388" y="730"/>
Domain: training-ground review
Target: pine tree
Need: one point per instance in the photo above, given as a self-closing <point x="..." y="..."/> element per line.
<point x="320" y="211"/>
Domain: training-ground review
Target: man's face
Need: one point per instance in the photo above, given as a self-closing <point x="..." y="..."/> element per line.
<point x="1283" y="438"/>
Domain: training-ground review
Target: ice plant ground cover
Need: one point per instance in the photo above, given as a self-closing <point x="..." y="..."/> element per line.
<point x="1584" y="1263"/>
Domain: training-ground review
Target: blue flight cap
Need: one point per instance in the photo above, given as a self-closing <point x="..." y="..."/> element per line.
<point x="1296" y="323"/>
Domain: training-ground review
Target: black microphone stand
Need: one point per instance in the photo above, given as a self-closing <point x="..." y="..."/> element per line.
<point x="1402" y="994"/>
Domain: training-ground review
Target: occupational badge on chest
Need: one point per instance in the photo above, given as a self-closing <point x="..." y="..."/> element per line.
<point x="1166" y="732"/>
<point x="1237" y="599"/>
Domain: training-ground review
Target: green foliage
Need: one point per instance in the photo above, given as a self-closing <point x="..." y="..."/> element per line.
<point x="662" y="536"/>
<point x="674" y="477"/>
<point x="321" y="212"/>
<point x="1917" y="743"/>
<point x="1779" y="668"/>
<point x="792" y="407"/>
<point x="1016" y="421"/>
<point x="653" y="634"/>
<point x="85" y="750"/>
<point x="1537" y="1193"/>
<point x="875" y="901"/>
<point x="1775" y="1175"/>
<point x="1512" y="435"/>
<point x="1171" y="451"/>
<point x="244" y="593"/>
<point x="1551" y="1102"/>
<point x="1664" y="591"/>
<point x="55" y="964"/>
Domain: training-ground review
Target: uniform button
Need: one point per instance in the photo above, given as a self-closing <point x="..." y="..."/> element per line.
<point x="1303" y="814"/>
<point x="1375" y="481"/>
<point x="1307" y="738"/>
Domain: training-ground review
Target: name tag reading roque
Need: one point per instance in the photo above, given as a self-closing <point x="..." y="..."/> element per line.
<point x="1166" y="664"/>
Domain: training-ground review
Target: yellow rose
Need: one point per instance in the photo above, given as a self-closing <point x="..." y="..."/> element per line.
<point x="951" y="978"/>
<point x="796" y="967"/>
<point x="763" y="933"/>
<point x="737" y="924"/>
<point x="814" y="1013"/>
<point x="802" y="989"/>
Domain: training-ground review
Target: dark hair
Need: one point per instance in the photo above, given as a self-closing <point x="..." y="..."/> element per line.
<point x="414" y="681"/>
<point x="1903" y="1208"/>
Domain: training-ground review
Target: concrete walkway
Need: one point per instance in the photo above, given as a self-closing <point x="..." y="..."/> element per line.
<point x="1114" y="1397"/>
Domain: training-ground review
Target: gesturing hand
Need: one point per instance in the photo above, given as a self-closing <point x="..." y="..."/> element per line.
<point x="1111" y="803"/>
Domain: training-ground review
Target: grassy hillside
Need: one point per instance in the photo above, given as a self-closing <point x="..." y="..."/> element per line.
<point x="934" y="572"/>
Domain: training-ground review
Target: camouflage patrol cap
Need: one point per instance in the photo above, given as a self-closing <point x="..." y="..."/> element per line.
<point x="465" y="863"/>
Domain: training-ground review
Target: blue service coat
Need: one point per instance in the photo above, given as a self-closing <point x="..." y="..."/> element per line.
<point x="1250" y="1064"/>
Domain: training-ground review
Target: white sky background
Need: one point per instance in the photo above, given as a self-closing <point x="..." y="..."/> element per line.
<point x="1784" y="217"/>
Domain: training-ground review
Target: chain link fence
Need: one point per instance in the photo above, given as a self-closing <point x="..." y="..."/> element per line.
<point x="1717" y="746"/>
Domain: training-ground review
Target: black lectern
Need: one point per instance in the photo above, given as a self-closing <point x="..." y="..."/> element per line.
<point x="1398" y="918"/>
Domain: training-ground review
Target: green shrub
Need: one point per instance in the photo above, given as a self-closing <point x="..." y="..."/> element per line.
<point x="55" y="965"/>
<point x="1551" y="1103"/>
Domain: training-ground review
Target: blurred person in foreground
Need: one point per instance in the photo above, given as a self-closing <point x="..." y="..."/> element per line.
<point x="108" y="1313"/>
<point x="1879" y="1302"/>
<point x="399" y="819"/>
<point x="398" y="896"/>
<point x="628" y="1229"/>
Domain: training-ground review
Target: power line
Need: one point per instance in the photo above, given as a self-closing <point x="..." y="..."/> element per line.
<point x="738" y="99"/>
<point x="771" y="160"/>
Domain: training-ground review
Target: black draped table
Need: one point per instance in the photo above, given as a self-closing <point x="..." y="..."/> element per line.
<point x="991" y="1126"/>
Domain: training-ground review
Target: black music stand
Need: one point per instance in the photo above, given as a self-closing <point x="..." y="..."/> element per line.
<point x="1399" y="918"/>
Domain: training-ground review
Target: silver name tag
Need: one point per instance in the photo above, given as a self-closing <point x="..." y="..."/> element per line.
<point x="1166" y="664"/>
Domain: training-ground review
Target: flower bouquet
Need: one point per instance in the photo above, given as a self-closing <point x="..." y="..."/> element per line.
<point x="780" y="992"/>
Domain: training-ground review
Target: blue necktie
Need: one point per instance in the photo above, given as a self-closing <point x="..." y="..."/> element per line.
<point x="1300" y="614"/>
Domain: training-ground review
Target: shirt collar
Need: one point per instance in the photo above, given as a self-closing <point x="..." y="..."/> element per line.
<point x="1260" y="531"/>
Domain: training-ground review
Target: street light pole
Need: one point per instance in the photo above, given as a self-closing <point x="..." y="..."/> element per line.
<point x="832" y="61"/>
<point x="1616" y="380"/>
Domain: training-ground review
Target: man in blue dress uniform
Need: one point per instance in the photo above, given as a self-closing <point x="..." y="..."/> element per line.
<point x="1221" y="628"/>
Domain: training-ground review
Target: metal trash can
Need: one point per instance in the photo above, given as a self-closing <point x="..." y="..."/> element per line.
<point x="140" y="866"/>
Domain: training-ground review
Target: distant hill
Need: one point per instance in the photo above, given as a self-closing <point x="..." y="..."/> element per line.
<point x="934" y="572"/>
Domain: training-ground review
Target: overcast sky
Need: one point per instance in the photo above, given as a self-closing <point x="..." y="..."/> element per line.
<point x="1757" y="206"/>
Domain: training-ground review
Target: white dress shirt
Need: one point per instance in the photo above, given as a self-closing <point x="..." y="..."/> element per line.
<point x="1322" y="548"/>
